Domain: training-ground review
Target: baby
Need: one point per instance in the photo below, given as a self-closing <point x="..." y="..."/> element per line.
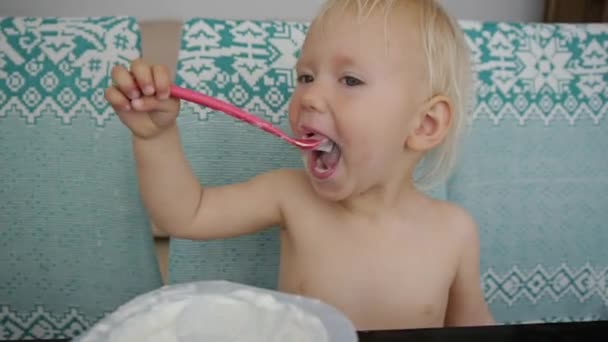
<point x="385" y="84"/>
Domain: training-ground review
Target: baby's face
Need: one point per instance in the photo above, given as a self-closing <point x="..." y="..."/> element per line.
<point x="359" y="85"/>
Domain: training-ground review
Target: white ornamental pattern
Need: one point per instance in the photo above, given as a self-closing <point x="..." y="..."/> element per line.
<point x="539" y="72"/>
<point x="58" y="68"/>
<point x="247" y="63"/>
<point x="41" y="324"/>
<point x="585" y="284"/>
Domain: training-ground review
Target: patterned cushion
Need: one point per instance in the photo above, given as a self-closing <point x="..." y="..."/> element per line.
<point x="250" y="64"/>
<point x="74" y="238"/>
<point x="534" y="172"/>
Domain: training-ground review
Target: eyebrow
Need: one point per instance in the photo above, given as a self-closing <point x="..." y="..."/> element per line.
<point x="343" y="60"/>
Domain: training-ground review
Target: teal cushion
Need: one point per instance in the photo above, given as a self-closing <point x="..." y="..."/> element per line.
<point x="251" y="65"/>
<point x="74" y="237"/>
<point x="534" y="171"/>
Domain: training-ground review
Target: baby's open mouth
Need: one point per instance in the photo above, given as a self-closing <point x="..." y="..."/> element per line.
<point x="325" y="158"/>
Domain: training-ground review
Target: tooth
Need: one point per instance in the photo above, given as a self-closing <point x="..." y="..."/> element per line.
<point x="326" y="146"/>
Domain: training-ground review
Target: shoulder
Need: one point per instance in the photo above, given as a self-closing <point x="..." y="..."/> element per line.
<point x="286" y="183"/>
<point x="293" y="192"/>
<point x="463" y="233"/>
<point x="462" y="221"/>
<point x="283" y="178"/>
<point x="455" y="221"/>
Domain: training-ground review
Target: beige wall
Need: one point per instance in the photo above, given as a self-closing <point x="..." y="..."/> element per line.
<point x="160" y="45"/>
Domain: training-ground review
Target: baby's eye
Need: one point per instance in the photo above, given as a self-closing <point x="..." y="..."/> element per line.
<point x="351" y="81"/>
<point x="305" y="78"/>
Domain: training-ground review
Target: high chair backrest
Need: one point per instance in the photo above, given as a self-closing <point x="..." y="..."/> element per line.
<point x="533" y="172"/>
<point x="74" y="239"/>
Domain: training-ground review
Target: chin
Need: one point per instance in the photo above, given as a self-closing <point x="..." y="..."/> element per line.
<point x="333" y="189"/>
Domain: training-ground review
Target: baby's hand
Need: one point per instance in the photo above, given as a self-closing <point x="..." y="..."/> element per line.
<point x="141" y="99"/>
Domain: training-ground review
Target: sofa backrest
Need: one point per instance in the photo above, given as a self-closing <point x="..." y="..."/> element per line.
<point x="74" y="239"/>
<point x="250" y="65"/>
<point x="533" y="172"/>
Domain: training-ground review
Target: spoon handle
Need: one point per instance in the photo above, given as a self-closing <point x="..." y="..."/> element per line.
<point x="217" y="104"/>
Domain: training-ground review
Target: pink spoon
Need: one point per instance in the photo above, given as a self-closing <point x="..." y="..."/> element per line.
<point x="211" y="102"/>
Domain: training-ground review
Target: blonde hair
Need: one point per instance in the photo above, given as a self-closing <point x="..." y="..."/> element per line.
<point x="448" y="67"/>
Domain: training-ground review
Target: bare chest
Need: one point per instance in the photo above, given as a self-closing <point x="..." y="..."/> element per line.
<point x="380" y="282"/>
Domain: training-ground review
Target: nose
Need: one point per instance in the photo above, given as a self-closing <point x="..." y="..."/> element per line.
<point x="314" y="98"/>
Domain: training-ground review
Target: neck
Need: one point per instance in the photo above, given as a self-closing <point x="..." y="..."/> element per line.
<point x="389" y="197"/>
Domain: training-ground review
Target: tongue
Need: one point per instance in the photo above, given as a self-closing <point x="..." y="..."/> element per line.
<point x="330" y="159"/>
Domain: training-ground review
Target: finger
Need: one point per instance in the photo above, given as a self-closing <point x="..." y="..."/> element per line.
<point x="160" y="74"/>
<point x="145" y="104"/>
<point x="123" y="80"/>
<point x="143" y="76"/>
<point x="117" y="99"/>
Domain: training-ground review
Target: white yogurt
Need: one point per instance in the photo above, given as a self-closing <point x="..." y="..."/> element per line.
<point x="221" y="311"/>
<point x="239" y="316"/>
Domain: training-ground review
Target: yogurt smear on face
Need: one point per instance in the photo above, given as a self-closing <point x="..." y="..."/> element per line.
<point x="239" y="316"/>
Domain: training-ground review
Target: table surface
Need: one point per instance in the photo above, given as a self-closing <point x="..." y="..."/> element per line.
<point x="553" y="332"/>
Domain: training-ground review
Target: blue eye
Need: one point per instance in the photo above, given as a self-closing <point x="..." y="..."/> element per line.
<point x="305" y="78"/>
<point x="351" y="81"/>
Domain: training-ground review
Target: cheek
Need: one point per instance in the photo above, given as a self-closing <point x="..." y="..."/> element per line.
<point x="293" y="114"/>
<point x="364" y="151"/>
<point x="374" y="148"/>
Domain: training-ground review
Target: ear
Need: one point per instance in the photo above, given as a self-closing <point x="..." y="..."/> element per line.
<point x="431" y="125"/>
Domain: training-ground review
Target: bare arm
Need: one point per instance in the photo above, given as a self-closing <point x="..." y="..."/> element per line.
<point x="467" y="306"/>
<point x="179" y="205"/>
<point x="169" y="188"/>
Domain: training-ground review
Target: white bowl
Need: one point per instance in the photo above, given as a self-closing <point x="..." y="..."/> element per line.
<point x="182" y="299"/>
